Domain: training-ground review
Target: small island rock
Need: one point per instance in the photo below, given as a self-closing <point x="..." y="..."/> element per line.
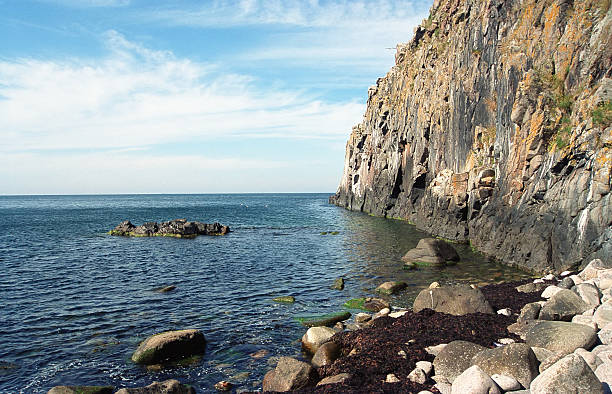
<point x="170" y="346"/>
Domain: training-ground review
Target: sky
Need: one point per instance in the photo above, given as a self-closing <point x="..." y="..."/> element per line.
<point x="186" y="96"/>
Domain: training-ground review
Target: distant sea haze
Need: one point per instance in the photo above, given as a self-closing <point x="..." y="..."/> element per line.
<point x="76" y="301"/>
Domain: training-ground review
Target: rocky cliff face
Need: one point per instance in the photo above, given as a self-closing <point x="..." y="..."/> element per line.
<point x="494" y="126"/>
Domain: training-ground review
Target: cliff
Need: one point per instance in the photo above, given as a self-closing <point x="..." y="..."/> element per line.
<point x="494" y="127"/>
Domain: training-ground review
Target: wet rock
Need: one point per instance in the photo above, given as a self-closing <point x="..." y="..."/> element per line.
<point x="560" y="337"/>
<point x="516" y="360"/>
<point x="81" y="390"/>
<point x="315" y="337"/>
<point x="455" y="358"/>
<point x="474" y="381"/>
<point x="431" y="251"/>
<point x="284" y="299"/>
<point x="564" y="305"/>
<point x="338" y="284"/>
<point x="289" y="374"/>
<point x="170" y="346"/>
<point x="167" y="289"/>
<point x="171" y="386"/>
<point x="375" y="304"/>
<point x="340" y="378"/>
<point x="323" y="320"/>
<point x="454" y="300"/>
<point x="571" y="374"/>
<point x="389" y="288"/>
<point x="223" y="385"/>
<point x="326" y="354"/>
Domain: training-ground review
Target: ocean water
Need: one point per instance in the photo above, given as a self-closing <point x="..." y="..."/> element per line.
<point x="76" y="302"/>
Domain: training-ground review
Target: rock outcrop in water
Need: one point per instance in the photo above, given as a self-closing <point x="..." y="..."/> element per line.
<point x="494" y="127"/>
<point x="179" y="228"/>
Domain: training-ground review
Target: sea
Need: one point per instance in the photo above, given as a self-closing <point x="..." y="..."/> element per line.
<point x="76" y="301"/>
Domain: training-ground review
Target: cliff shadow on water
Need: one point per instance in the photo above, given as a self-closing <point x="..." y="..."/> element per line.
<point x="495" y="127"/>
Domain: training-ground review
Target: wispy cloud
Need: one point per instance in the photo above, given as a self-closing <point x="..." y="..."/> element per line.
<point x="89" y="3"/>
<point x="137" y="97"/>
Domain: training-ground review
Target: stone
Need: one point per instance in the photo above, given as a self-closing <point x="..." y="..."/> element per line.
<point x="506" y="383"/>
<point x="603" y="314"/>
<point x="541" y="353"/>
<point x="571" y="374"/>
<point x="436" y="349"/>
<point x="426" y="366"/>
<point x="560" y="337"/>
<point x="550" y="361"/>
<point x="431" y="251"/>
<point x="590" y="358"/>
<point x="417" y="376"/>
<point x="605" y="335"/>
<point x="444" y="388"/>
<point x="455" y="358"/>
<point x="178" y="228"/>
<point x="397" y="314"/>
<point x="564" y="305"/>
<point x="576" y="279"/>
<point x="362" y="317"/>
<point x="586" y="320"/>
<point x="167" y="289"/>
<point x="592" y="269"/>
<point x="289" y="374"/>
<point x="549" y="277"/>
<point x="171" y="386"/>
<point x="566" y="283"/>
<point x="505" y="312"/>
<point x="224" y="385"/>
<point x="474" y="381"/>
<point x="375" y="304"/>
<point x="170" y="346"/>
<point x="381" y="313"/>
<point x="589" y="293"/>
<point x="530" y="311"/>
<point x="565" y="273"/>
<point x="531" y="287"/>
<point x="81" y="390"/>
<point x="506" y="341"/>
<point x="550" y="291"/>
<point x="434" y="285"/>
<point x="340" y="378"/>
<point x="326" y="354"/>
<point x="389" y="288"/>
<point x="391" y="378"/>
<point x="516" y="360"/>
<point x="328" y="319"/>
<point x="338" y="284"/>
<point x="454" y="300"/>
<point x="604" y="373"/>
<point x="315" y="337"/>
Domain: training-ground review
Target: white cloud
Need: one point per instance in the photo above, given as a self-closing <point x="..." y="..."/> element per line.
<point x="138" y="97"/>
<point x="89" y="3"/>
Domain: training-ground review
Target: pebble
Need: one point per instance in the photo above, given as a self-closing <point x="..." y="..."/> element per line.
<point x="565" y="273"/>
<point x="549" y="277"/>
<point x="426" y="366"/>
<point x="417" y="376"/>
<point x="505" y="312"/>
<point x="391" y="378"/>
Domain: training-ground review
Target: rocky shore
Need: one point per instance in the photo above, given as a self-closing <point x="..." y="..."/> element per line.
<point x="552" y="334"/>
<point x="177" y="228"/>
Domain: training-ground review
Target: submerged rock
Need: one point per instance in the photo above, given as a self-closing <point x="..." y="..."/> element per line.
<point x="178" y="228"/>
<point x="171" y="386"/>
<point x="389" y="288"/>
<point x="170" y="346"/>
<point x="81" y="390"/>
<point x="323" y="320"/>
<point x="284" y="299"/>
<point x="338" y="284"/>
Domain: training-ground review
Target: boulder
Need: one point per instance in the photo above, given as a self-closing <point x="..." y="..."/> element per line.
<point x="571" y="374"/>
<point x="530" y="311"/>
<point x="566" y="283"/>
<point x="374" y="304"/>
<point x="362" y="317"/>
<point x="389" y="288"/>
<point x="340" y="378"/>
<point x="589" y="293"/>
<point x="564" y="305"/>
<point x="604" y="373"/>
<point x="81" y="390"/>
<point x="431" y="251"/>
<point x="328" y="319"/>
<point x="551" y="291"/>
<point x="474" y="381"/>
<point x="603" y="314"/>
<point x="506" y="383"/>
<point x="170" y="346"/>
<point x="455" y="358"/>
<point x="531" y="287"/>
<point x="326" y="354"/>
<point x="315" y="337"/>
<point x="170" y="386"/>
<point x="516" y="360"/>
<point x="586" y="320"/>
<point x="289" y="374"/>
<point x="454" y="300"/>
<point x="591" y="359"/>
<point x="592" y="269"/>
<point x="560" y="337"/>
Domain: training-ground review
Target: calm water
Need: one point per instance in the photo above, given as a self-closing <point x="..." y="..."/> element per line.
<point x="76" y="301"/>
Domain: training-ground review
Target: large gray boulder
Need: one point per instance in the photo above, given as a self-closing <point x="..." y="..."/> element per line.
<point x="564" y="305"/>
<point x="516" y="360"/>
<point x="560" y="337"/>
<point x="475" y="381"/>
<point x="170" y="346"/>
<point x="170" y="386"/>
<point x="454" y="300"/>
<point x="431" y="251"/>
<point x="289" y="374"/>
<point x="571" y="374"/>
<point x="455" y="358"/>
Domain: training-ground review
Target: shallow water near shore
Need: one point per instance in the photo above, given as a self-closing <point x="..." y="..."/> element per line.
<point x="76" y="301"/>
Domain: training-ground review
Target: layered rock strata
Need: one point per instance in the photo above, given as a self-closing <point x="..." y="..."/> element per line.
<point x="494" y="126"/>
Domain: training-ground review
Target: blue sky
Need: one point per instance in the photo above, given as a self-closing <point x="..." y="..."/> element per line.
<point x="145" y="96"/>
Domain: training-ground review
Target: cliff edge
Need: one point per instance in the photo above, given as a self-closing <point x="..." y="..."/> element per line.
<point x="495" y="126"/>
